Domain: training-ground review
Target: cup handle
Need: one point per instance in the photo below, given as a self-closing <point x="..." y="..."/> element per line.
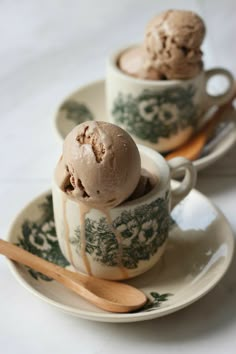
<point x="223" y="97"/>
<point x="178" y="164"/>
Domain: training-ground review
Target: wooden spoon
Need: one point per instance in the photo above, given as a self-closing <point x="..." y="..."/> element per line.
<point x="193" y="147"/>
<point x="108" y="295"/>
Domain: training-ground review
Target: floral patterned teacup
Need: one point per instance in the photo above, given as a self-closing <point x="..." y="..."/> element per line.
<point x="160" y="114"/>
<point x="130" y="238"/>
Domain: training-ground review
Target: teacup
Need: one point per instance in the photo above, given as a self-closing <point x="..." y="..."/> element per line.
<point x="160" y="114"/>
<point x="128" y="239"/>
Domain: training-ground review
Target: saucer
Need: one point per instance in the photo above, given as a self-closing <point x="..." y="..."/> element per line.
<point x="88" y="103"/>
<point x="198" y="253"/>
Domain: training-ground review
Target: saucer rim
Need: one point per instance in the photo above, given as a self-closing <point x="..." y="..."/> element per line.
<point x="200" y="163"/>
<point x="130" y="317"/>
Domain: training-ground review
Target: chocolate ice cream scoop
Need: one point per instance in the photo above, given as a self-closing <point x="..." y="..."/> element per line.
<point x="183" y="28"/>
<point x="100" y="165"/>
<point x="171" y="49"/>
<point x="173" y="41"/>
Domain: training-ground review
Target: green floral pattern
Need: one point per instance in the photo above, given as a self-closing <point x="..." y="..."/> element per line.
<point x="143" y="230"/>
<point x="154" y="115"/>
<point x="39" y="237"/>
<point x="154" y="301"/>
<point x="76" y="111"/>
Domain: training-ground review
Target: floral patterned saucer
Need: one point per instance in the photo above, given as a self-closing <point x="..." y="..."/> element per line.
<point x="199" y="251"/>
<point x="88" y="103"/>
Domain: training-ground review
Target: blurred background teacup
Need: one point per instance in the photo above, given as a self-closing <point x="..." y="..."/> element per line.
<point x="140" y="225"/>
<point x="161" y="114"/>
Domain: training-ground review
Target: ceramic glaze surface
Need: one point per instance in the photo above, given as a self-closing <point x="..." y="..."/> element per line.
<point x="198" y="253"/>
<point x="142" y="230"/>
<point x="152" y="115"/>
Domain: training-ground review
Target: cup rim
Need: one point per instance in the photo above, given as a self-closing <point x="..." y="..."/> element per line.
<point x="112" y="64"/>
<point x="162" y="185"/>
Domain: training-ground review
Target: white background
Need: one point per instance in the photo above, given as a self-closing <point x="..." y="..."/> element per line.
<point x="48" y="49"/>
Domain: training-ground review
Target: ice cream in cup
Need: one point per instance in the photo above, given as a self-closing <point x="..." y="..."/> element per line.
<point x="157" y="91"/>
<point x="112" y="201"/>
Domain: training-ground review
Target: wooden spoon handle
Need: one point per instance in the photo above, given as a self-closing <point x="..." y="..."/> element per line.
<point x="18" y="254"/>
<point x="59" y="274"/>
<point x="108" y="295"/>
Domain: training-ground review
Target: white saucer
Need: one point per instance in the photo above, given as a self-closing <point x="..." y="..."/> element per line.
<point x="198" y="254"/>
<point x="88" y="103"/>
